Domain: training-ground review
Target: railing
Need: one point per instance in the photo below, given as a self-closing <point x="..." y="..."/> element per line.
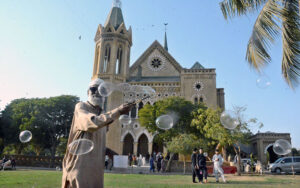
<point x="36" y="161"/>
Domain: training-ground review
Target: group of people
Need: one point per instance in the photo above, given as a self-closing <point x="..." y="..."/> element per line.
<point x="199" y="168"/>
<point x="157" y="162"/>
<point x="134" y="160"/>
<point x="6" y="162"/>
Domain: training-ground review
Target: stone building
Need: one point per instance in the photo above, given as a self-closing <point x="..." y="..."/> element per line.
<point x="262" y="143"/>
<point x="155" y="68"/>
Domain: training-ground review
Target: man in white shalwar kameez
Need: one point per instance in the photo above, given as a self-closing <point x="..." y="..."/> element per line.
<point x="87" y="170"/>
<point x="218" y="161"/>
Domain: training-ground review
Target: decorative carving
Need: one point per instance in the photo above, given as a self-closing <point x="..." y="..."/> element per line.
<point x="156" y="61"/>
<point x="198" y="86"/>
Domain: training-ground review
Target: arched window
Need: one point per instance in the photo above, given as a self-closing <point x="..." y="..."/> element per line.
<point x="141" y="105"/>
<point x="201" y="99"/>
<point x="133" y="112"/>
<point x="196" y="100"/>
<point x="119" y="61"/>
<point x="106" y="58"/>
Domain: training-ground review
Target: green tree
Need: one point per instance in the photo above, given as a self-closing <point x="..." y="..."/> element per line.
<point x="275" y="18"/>
<point x="208" y="124"/>
<point x="48" y="119"/>
<point x="184" y="144"/>
<point x="180" y="108"/>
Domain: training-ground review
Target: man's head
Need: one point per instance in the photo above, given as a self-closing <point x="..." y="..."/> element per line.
<point x="93" y="94"/>
<point x="195" y="150"/>
<point x="217" y="151"/>
<point x="201" y="150"/>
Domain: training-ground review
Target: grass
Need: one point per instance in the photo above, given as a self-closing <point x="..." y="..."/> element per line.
<point x="52" y="179"/>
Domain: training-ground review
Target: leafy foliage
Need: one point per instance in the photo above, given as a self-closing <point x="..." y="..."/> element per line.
<point x="185" y="143"/>
<point x="48" y="119"/>
<point x="178" y="107"/>
<point x="266" y="28"/>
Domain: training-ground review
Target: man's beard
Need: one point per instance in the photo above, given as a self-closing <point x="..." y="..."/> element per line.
<point x="96" y="101"/>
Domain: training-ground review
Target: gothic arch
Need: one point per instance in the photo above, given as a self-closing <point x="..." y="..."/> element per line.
<point x="267" y="147"/>
<point x="128" y="132"/>
<point x="143" y="132"/>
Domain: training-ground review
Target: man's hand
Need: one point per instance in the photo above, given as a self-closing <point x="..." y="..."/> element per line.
<point x="125" y="108"/>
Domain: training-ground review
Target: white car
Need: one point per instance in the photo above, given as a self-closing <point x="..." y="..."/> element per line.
<point x="285" y="164"/>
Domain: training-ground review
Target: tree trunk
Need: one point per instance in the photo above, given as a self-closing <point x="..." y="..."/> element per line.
<point x="224" y="153"/>
<point x="183" y="164"/>
<point x="218" y="146"/>
<point x="168" y="168"/>
<point x="53" y="150"/>
<point x="238" y="153"/>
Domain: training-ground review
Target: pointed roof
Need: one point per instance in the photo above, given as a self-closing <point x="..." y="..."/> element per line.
<point x="115" y="17"/>
<point x="158" y="46"/>
<point x="197" y="65"/>
<point x="166" y="42"/>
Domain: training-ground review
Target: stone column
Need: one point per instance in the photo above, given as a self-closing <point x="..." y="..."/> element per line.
<point x="135" y="148"/>
<point x="150" y="145"/>
<point x="137" y="110"/>
<point x="121" y="148"/>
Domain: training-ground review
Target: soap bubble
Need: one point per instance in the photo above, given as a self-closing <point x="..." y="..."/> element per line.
<point x="205" y="154"/>
<point x="125" y="119"/>
<point x="137" y="89"/>
<point x="124" y="87"/>
<point x="164" y="122"/>
<point x="25" y="136"/>
<point x="58" y="168"/>
<point x="81" y="146"/>
<point x="229" y="120"/>
<point x="263" y="82"/>
<point x="106" y="88"/>
<point x="282" y="147"/>
<point x="149" y="91"/>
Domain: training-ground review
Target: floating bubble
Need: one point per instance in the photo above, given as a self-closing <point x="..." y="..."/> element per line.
<point x="205" y="154"/>
<point x="164" y="122"/>
<point x="149" y="91"/>
<point x="263" y="82"/>
<point x="81" y="146"/>
<point x="25" y="136"/>
<point x="137" y="89"/>
<point x="58" y="168"/>
<point x="229" y="120"/>
<point x="124" y="87"/>
<point x="282" y="147"/>
<point x="106" y="88"/>
<point x="125" y="119"/>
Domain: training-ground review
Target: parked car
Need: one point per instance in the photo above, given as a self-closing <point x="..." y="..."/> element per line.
<point x="285" y="164"/>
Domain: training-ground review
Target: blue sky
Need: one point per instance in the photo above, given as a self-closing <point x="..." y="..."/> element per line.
<point x="41" y="55"/>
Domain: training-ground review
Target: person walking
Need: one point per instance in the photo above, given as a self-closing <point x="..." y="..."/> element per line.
<point x="202" y="165"/>
<point x="151" y="161"/>
<point x="129" y="159"/>
<point x="195" y="165"/>
<point x="159" y="163"/>
<point x="218" y="161"/>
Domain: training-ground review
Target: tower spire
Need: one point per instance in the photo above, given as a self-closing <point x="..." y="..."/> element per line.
<point x="166" y="42"/>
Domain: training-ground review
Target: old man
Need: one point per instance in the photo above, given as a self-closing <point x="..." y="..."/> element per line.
<point x="86" y="171"/>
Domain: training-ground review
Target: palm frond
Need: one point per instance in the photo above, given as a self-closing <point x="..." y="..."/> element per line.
<point x="231" y="8"/>
<point x="291" y="43"/>
<point x="264" y="32"/>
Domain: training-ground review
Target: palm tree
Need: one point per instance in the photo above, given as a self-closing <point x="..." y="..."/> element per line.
<point x="276" y="17"/>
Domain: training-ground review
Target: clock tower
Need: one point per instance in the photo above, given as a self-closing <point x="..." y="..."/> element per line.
<point x="111" y="62"/>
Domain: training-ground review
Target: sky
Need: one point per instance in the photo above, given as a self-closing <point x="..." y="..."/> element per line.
<point x="41" y="54"/>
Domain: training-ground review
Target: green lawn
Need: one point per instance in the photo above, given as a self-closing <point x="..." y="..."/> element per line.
<point x="51" y="179"/>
